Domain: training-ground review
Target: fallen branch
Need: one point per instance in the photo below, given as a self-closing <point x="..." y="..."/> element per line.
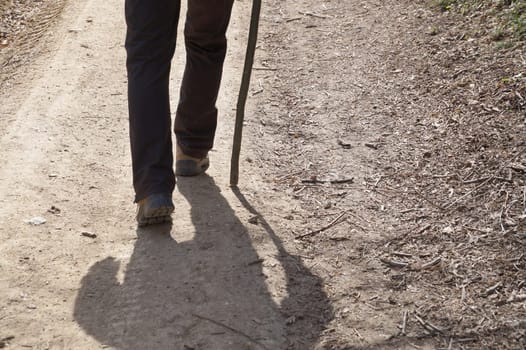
<point x="331" y="224"/>
<point x="392" y="263"/>
<point x="429" y="326"/>
<point x="316" y="181"/>
<point x="431" y="263"/>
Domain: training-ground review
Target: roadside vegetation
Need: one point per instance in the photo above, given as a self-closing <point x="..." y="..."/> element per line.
<point x="506" y="19"/>
<point x="463" y="172"/>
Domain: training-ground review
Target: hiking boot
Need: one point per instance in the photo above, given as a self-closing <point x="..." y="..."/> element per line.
<point x="189" y="166"/>
<point x="155" y="209"/>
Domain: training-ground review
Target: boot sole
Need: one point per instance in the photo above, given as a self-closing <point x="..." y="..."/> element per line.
<point x="157" y="216"/>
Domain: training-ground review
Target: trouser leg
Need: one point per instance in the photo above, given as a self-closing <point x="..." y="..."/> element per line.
<point x="150" y="44"/>
<point x="205" y="39"/>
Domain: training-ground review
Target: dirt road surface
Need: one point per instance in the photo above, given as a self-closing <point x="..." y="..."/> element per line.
<point x="294" y="259"/>
<point x="66" y="147"/>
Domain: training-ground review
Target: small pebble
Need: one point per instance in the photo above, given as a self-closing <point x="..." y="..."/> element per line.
<point x="89" y="234"/>
<point x="254" y="220"/>
<point x="36" y="221"/>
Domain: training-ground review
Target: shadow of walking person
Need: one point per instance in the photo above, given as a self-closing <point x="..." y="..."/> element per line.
<point x="208" y="292"/>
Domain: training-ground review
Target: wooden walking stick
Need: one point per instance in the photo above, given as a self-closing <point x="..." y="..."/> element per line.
<point x="243" y="91"/>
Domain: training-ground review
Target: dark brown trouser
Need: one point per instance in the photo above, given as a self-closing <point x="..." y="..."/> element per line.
<point x="150" y="45"/>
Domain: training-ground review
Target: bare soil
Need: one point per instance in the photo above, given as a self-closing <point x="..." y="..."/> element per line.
<point x="382" y="202"/>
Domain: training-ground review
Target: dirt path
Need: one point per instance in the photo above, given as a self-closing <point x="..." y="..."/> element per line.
<point x="301" y="256"/>
<point x="65" y="147"/>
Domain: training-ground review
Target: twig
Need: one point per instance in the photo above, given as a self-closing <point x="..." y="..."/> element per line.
<point x="432" y="263"/>
<point x="89" y="234"/>
<point x="343" y="181"/>
<point x="512" y="203"/>
<point x="409" y="210"/>
<point x="283" y="177"/>
<point x="435" y="328"/>
<point x="493" y="288"/>
<point x="424" y="229"/>
<point x="5" y="341"/>
<point x="344" y="144"/>
<point x="502" y="212"/>
<point x="515" y="259"/>
<point x="265" y="68"/>
<point x="429" y="326"/>
<point x="470" y="174"/>
<point x="445" y="176"/>
<point x="293" y="19"/>
<point x="358" y="217"/>
<point x="485" y="181"/>
<point x="316" y="181"/>
<point x="331" y="224"/>
<point x="358" y="333"/>
<point x="359" y="226"/>
<point x="378" y="181"/>
<point x="357" y="85"/>
<point x="373" y="307"/>
<point x="466" y="340"/>
<point x="313" y="15"/>
<point x="403" y="255"/>
<point x="339" y="239"/>
<point x="438" y="206"/>
<point x="300" y="190"/>
<point x="524" y="199"/>
<point x="392" y="263"/>
<point x="475" y="229"/>
<point x="231" y="329"/>
<point x="404" y="322"/>
<point x="421" y="321"/>
<point x="476" y="180"/>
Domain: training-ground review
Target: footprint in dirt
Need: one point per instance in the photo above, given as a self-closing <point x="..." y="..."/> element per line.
<point x="203" y="293"/>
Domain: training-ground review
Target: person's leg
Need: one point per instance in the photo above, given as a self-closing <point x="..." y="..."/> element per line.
<point x="205" y="39"/>
<point x="150" y="44"/>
